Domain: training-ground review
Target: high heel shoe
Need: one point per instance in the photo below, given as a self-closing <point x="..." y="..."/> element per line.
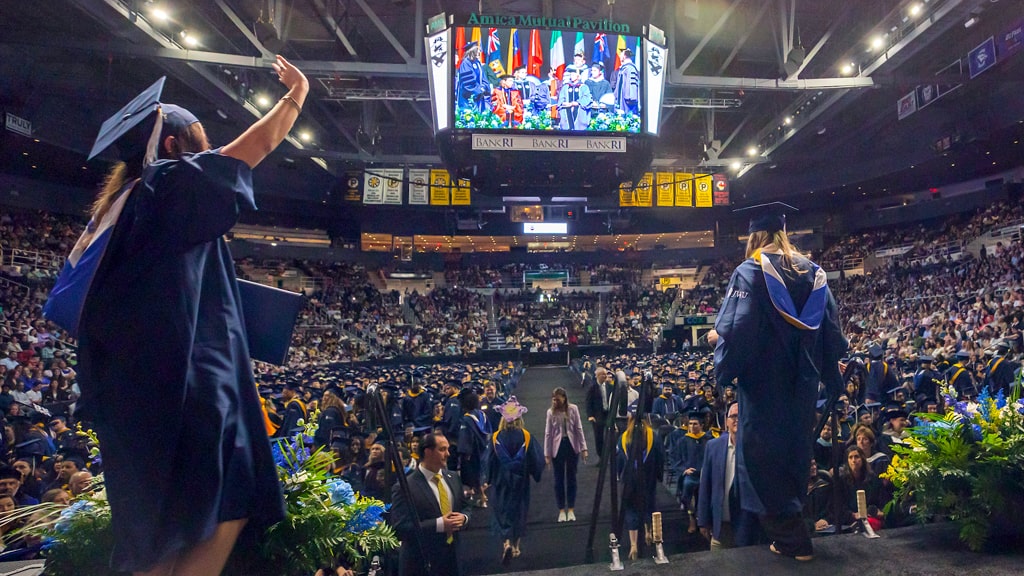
<point x="506" y="554"/>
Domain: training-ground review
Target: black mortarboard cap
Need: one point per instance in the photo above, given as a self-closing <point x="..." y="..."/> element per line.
<point x="925" y="359"/>
<point x="131" y="121"/>
<point x="770" y="217"/>
<point x="471" y="44"/>
<point x="874" y="351"/>
<point x="962" y="354"/>
<point x="894" y="411"/>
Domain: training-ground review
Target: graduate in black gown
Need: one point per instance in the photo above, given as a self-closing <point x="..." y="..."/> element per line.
<point x="778" y="335"/>
<point x="639" y="478"/>
<point x="163" y="360"/>
<point x="514" y="459"/>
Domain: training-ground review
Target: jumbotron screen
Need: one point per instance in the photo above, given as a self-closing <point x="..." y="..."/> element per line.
<point x="549" y="80"/>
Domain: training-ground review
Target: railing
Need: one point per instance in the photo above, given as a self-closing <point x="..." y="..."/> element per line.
<point x="844" y="264"/>
<point x="32" y="258"/>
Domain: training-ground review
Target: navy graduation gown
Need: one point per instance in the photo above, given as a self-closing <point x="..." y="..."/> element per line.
<point x="511" y="464"/>
<point x="164" y="366"/>
<point x="777" y="367"/>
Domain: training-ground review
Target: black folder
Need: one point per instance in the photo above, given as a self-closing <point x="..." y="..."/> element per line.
<point x="270" y="315"/>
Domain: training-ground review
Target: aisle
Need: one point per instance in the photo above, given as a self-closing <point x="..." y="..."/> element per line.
<point x="549" y="544"/>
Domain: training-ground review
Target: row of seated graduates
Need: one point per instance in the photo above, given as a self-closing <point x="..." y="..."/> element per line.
<point x="865" y="438"/>
<point x="416" y="398"/>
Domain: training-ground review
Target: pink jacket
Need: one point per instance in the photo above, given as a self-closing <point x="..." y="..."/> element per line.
<point x="553" y="433"/>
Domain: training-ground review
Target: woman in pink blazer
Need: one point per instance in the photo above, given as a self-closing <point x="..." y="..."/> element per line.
<point x="564" y="443"/>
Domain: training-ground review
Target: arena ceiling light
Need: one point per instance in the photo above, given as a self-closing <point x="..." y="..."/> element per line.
<point x="877" y="43"/>
<point x="305" y="136"/>
<point x="262" y="101"/>
<point x="752" y="151"/>
<point x="159" y="14"/>
<point x="915" y="10"/>
<point x="846" y="69"/>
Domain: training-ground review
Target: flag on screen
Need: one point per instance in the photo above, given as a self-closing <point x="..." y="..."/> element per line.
<point x="460" y="44"/>
<point x="515" y="56"/>
<point x="557" y="54"/>
<point x="475" y="37"/>
<point x="601" y="48"/>
<point x="619" y="47"/>
<point x="494" y="52"/>
<point x="536" y="61"/>
<point x="638" y="51"/>
<point x="578" y="47"/>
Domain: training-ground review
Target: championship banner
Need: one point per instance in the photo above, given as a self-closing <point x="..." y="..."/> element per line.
<point x="702" y="187"/>
<point x="393" y="180"/>
<point x="907" y="105"/>
<point x="645" y="190"/>
<point x="353" y="186"/>
<point x="627" y="196"/>
<point x="460" y="193"/>
<point x="982" y="58"/>
<point x="721" y="190"/>
<point x="373" y="188"/>
<point x="439" y="187"/>
<point x="684" y="189"/>
<point x="419" y="190"/>
<point x="926" y="94"/>
<point x="666" y="194"/>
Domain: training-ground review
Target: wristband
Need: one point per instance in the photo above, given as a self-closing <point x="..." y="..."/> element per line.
<point x="290" y="100"/>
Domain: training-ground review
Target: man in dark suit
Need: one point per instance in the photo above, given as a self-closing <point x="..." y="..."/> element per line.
<point x="598" y="396"/>
<point x="719" y="515"/>
<point x="432" y="515"/>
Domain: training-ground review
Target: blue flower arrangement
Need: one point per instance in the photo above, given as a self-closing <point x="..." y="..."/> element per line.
<point x="967" y="465"/>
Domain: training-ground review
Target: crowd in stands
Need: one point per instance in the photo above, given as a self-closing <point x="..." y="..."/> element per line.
<point x="540" y="322"/>
<point x="922" y="236"/>
<point x="636" y="316"/>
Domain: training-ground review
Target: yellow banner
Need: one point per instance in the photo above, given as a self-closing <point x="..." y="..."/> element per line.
<point x="684" y="189"/>
<point x="703" y="191"/>
<point x="627" y="196"/>
<point x="645" y="190"/>
<point x="439" y="187"/>
<point x="666" y="196"/>
<point x="460" y="193"/>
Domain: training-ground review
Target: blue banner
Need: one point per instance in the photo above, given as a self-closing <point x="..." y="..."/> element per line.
<point x="983" y="57"/>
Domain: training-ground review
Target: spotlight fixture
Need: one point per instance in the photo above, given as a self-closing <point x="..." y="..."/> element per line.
<point x="915" y="10"/>
<point x="190" y="40"/>
<point x="877" y="43"/>
<point x="159" y="15"/>
<point x="846" y="70"/>
<point x="787" y="120"/>
<point x="735" y="165"/>
<point x="752" y="151"/>
<point x="305" y="136"/>
<point x="262" y="101"/>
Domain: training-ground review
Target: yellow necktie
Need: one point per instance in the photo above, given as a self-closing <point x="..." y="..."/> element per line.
<point x="446" y="506"/>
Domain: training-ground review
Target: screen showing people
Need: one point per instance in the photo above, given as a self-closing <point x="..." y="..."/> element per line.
<point x="528" y="79"/>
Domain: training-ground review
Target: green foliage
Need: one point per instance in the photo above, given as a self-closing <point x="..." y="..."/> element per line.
<point x="615" y="122"/>
<point x="325" y="520"/>
<point x="968" y="465"/>
<point x="469" y="117"/>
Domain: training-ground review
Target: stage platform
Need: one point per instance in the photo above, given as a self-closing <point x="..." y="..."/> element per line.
<point x="932" y="550"/>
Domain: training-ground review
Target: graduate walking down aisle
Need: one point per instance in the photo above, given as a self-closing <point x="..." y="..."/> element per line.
<point x="515" y="459"/>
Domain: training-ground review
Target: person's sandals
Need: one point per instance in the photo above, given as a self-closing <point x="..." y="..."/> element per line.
<point x="806" y="558"/>
<point x="506" y="554"/>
